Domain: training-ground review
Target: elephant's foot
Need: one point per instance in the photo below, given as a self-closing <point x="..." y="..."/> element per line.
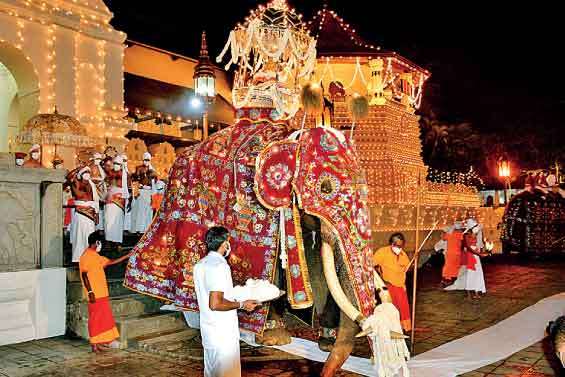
<point x="327" y="339"/>
<point x="274" y="337"/>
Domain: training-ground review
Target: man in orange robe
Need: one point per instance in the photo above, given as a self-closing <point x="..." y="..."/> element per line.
<point x="454" y="238"/>
<point x="101" y="326"/>
<point x="392" y="262"/>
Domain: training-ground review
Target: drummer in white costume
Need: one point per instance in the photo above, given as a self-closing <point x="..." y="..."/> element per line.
<point x="219" y="325"/>
<point x="99" y="178"/>
<point x="86" y="210"/>
<point x="143" y="212"/>
<point x="128" y="214"/>
<point x="116" y="199"/>
<point x="471" y="277"/>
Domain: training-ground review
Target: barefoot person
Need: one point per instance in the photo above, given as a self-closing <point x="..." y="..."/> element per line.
<point x="101" y="326"/>
<point x="392" y="262"/>
<point x="219" y="325"/>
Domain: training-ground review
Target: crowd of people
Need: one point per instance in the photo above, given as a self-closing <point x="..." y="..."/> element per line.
<point x="104" y="195"/>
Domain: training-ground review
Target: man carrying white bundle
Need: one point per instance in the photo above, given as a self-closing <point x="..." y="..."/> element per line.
<point x="99" y="178"/>
<point x="219" y="325"/>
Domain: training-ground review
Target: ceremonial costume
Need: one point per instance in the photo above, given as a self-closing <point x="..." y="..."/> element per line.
<point x="392" y="269"/>
<point x="99" y="178"/>
<point x="85" y="214"/>
<point x="219" y="329"/>
<point x="116" y="199"/>
<point x="143" y="213"/>
<point x="127" y="216"/>
<point x="101" y="326"/>
<point x="454" y="240"/>
<point x="470" y="277"/>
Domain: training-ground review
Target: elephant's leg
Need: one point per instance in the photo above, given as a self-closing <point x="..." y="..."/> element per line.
<point x="329" y="321"/>
<point x="275" y="333"/>
<point x="343" y="346"/>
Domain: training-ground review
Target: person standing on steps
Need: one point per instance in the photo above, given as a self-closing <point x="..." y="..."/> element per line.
<point x="102" y="329"/>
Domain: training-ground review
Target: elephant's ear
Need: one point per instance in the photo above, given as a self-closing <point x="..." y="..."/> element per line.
<point x="274" y="174"/>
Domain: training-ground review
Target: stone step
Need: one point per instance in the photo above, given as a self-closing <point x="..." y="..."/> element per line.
<point x="156" y="339"/>
<point x="131" y="327"/>
<point x="130" y="306"/>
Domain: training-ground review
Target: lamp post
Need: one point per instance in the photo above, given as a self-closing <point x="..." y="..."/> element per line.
<point x="504" y="174"/>
<point x="204" y="82"/>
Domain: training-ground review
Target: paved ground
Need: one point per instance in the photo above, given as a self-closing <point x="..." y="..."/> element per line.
<point x="441" y="317"/>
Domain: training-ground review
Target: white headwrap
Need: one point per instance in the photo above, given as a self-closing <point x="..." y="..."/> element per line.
<point x="95" y="197"/>
<point x="34" y="148"/>
<point x="147" y="156"/>
<point x="125" y="193"/>
<point x="477" y="229"/>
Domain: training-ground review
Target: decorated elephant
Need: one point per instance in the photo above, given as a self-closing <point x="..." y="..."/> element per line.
<point x="294" y="202"/>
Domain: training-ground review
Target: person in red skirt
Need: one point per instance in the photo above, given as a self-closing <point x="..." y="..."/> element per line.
<point x="391" y="262"/>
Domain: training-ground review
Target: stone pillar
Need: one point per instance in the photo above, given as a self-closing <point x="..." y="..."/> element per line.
<point x="51" y="236"/>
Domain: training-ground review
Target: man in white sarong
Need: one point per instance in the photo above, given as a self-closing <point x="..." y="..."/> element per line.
<point x="471" y="277"/>
<point x="145" y="176"/>
<point x="116" y="199"/>
<point x="85" y="215"/>
<point x="99" y="178"/>
<point x="219" y="325"/>
<point x="127" y="217"/>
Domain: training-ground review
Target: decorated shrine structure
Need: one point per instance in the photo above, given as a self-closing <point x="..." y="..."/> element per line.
<point x="388" y="140"/>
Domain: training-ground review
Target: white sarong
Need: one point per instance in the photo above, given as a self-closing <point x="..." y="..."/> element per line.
<point x="470" y="280"/>
<point x="127" y="221"/>
<point x="101" y="221"/>
<point x="223" y="361"/>
<point x="81" y="228"/>
<point x="113" y="218"/>
<point x="143" y="211"/>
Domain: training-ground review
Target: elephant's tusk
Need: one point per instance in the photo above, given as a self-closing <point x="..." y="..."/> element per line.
<point x="335" y="287"/>
<point x="393" y="334"/>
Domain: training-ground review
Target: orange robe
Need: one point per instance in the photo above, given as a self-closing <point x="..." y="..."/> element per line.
<point x="393" y="271"/>
<point x="453" y="255"/>
<point x="101" y="326"/>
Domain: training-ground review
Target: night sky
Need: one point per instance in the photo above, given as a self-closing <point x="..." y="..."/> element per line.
<point x="499" y="68"/>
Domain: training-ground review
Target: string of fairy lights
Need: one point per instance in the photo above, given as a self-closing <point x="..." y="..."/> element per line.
<point x="470" y="178"/>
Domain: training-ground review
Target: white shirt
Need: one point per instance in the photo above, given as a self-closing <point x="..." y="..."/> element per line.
<point x="213" y="274"/>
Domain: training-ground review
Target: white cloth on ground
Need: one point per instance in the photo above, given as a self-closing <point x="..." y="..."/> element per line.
<point x="490" y="345"/>
<point x="81" y="228"/>
<point x="113" y="219"/>
<point x="213" y="274"/>
<point x="143" y="211"/>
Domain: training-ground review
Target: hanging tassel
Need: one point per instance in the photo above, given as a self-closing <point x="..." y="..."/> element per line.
<point x="359" y="108"/>
<point x="312" y="100"/>
<point x="283" y="256"/>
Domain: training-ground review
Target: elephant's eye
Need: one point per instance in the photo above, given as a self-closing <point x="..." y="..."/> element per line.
<point x="328" y="186"/>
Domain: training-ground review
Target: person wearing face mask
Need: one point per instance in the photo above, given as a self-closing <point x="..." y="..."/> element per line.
<point x="35" y="157"/>
<point x="219" y="325"/>
<point x="391" y="262"/>
<point x="116" y="198"/>
<point x="143" y="213"/>
<point x="85" y="216"/>
<point x="454" y="238"/>
<point x="102" y="329"/>
<point x="20" y="158"/>
<point x="98" y="175"/>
